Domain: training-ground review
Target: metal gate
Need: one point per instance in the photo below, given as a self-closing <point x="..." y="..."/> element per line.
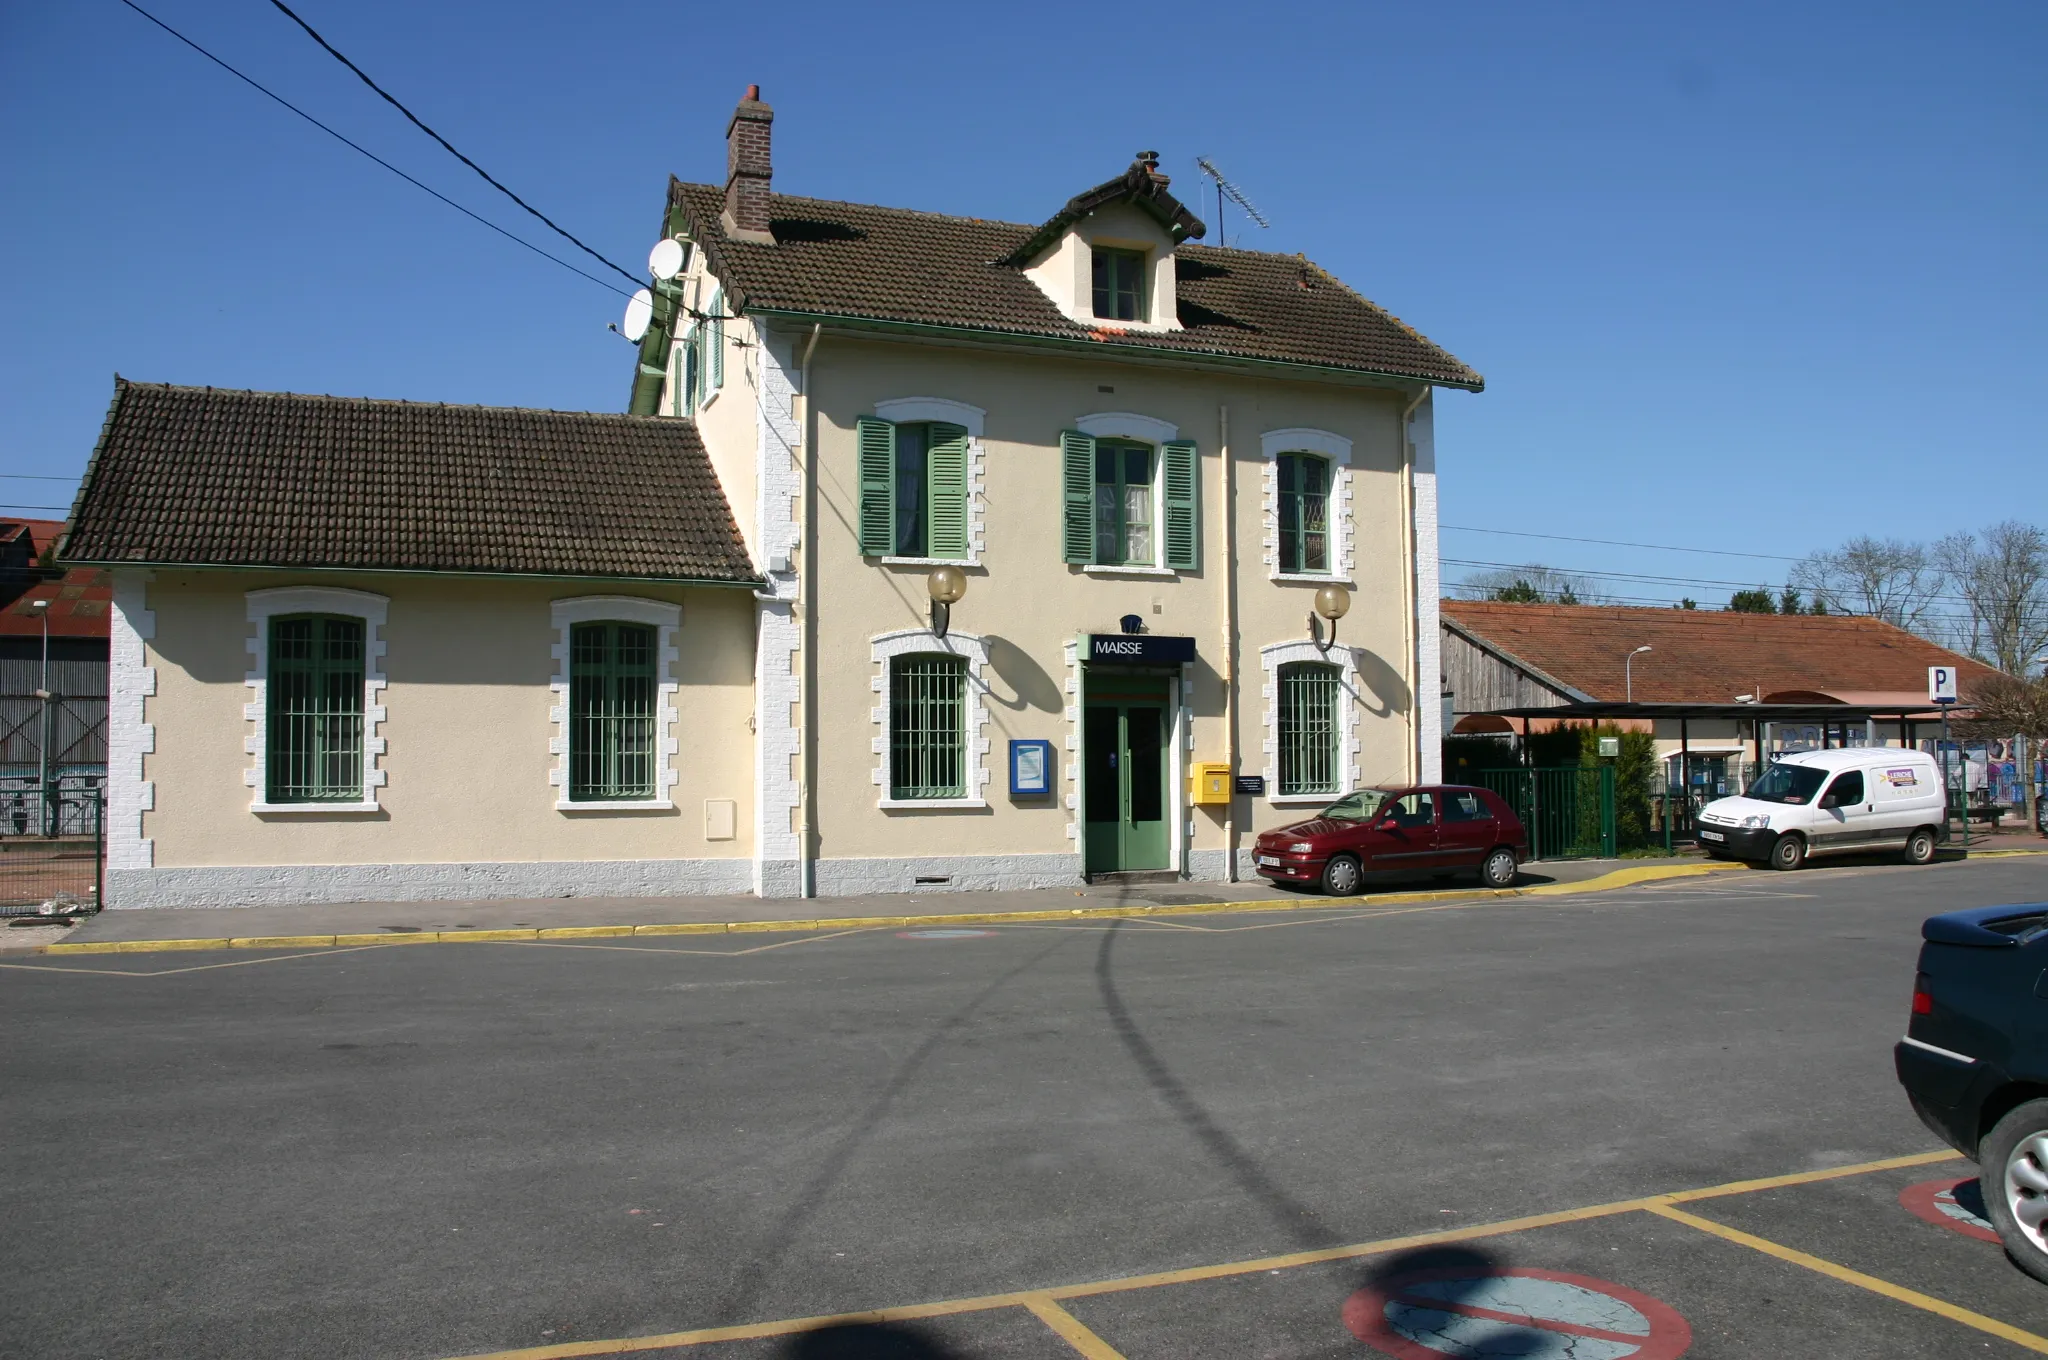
<point x="1568" y="809"/>
<point x="52" y="845"/>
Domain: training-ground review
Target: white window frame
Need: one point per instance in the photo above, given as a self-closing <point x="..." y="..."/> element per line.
<point x="976" y="742"/>
<point x="666" y="619"/>
<point x="1144" y="430"/>
<point x="1337" y="449"/>
<point x="1350" y="688"/>
<point x="945" y="411"/>
<point x="265" y="605"/>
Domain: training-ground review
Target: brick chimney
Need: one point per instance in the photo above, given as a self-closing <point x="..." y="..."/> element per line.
<point x="747" y="171"/>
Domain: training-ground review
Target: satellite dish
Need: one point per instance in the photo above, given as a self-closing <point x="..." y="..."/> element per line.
<point x="667" y="259"/>
<point x="639" y="315"/>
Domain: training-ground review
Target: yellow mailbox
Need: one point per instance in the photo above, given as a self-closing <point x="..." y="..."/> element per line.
<point x="1211" y="784"/>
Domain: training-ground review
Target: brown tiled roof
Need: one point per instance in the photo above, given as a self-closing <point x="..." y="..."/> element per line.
<point x="203" y="476"/>
<point x="1711" y="655"/>
<point x="890" y="264"/>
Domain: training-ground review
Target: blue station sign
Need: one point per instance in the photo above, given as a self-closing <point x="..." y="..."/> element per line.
<point x="1139" y="649"/>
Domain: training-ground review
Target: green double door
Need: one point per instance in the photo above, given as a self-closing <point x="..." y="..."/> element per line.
<point x="1124" y="741"/>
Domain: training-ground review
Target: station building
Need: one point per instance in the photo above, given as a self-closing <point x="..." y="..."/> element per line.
<point x="932" y="552"/>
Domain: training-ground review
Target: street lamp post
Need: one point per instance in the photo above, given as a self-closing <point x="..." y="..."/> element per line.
<point x="41" y="609"/>
<point x="1628" y="676"/>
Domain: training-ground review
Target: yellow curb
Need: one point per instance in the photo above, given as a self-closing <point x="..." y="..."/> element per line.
<point x="1997" y="854"/>
<point x="132" y="946"/>
<point x="1619" y="878"/>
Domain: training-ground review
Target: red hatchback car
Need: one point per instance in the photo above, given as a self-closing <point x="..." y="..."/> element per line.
<point x="1430" y="829"/>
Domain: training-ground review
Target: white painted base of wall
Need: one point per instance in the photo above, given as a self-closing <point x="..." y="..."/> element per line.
<point x="1209" y="865"/>
<point x="780" y="878"/>
<point x="963" y="873"/>
<point x="238" y="885"/>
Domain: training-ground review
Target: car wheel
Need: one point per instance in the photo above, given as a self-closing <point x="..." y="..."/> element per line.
<point x="1920" y="847"/>
<point x="1789" y="853"/>
<point x="1499" y="869"/>
<point x="2014" y="1165"/>
<point x="1341" y="877"/>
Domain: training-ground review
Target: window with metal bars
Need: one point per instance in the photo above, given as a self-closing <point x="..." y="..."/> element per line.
<point x="1304" y="513"/>
<point x="1308" y="728"/>
<point x="611" y="712"/>
<point x="928" y="727"/>
<point x="314" y="718"/>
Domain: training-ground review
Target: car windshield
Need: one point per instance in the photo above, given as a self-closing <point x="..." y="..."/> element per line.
<point x="1788" y="784"/>
<point x="1355" y="807"/>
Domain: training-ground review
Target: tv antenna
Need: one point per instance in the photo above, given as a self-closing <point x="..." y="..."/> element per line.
<point x="1225" y="189"/>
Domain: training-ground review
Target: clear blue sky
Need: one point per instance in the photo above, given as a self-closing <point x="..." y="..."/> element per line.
<point x="1754" y="276"/>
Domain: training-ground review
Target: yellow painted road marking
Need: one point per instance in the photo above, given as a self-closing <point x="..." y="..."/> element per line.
<point x="1071" y="1329"/>
<point x="1809" y="1177"/>
<point x="193" y="968"/>
<point x="1619" y="878"/>
<point x="1126" y="1283"/>
<point x="1991" y="1326"/>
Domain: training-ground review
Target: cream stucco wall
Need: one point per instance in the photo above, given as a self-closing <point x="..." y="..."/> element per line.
<point x="1028" y="605"/>
<point x="467" y="752"/>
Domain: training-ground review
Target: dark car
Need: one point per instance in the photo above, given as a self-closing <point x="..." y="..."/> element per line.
<point x="1974" y="1061"/>
<point x="1430" y="829"/>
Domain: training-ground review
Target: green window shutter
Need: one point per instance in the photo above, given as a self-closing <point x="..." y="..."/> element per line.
<point x="946" y="492"/>
<point x="1077" y="499"/>
<point x="1183" y="504"/>
<point x="877" y="487"/>
<point x="717" y="329"/>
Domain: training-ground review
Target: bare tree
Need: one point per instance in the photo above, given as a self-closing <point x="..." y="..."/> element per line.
<point x="2001" y="575"/>
<point x="1534" y="584"/>
<point x="2010" y="706"/>
<point x="1885" y="578"/>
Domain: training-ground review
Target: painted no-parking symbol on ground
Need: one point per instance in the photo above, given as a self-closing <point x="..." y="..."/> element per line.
<point x="1526" y="1314"/>
<point x="1957" y="1204"/>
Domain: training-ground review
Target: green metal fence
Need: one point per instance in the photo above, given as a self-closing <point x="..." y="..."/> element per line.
<point x="1568" y="809"/>
<point x="52" y="846"/>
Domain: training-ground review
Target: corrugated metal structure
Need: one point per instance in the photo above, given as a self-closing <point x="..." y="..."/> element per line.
<point x="78" y="715"/>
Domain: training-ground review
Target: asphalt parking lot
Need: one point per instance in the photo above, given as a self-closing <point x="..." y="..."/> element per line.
<point x="1651" y="1122"/>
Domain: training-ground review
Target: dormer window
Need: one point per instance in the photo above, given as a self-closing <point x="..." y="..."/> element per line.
<point x="1119" y="284"/>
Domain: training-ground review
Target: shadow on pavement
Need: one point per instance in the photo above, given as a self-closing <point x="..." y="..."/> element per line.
<point x="1390" y="1311"/>
<point x="866" y="1341"/>
<point x="1293" y="1217"/>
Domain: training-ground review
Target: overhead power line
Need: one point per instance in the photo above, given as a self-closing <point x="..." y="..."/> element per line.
<point x="32" y="477"/>
<point x="361" y="150"/>
<point x="449" y="146"/>
<point x="1617" y="543"/>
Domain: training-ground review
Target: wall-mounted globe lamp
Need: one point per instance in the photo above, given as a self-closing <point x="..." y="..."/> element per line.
<point x="945" y="586"/>
<point x="1332" y="603"/>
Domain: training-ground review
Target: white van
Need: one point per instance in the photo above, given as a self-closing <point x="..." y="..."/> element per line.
<point x="1855" y="800"/>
